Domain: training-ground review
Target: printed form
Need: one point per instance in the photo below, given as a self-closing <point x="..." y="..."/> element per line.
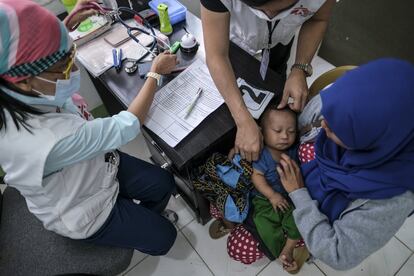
<point x="168" y="114"/>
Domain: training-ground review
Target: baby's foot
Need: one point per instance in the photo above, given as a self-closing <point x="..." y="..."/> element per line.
<point x="286" y="256"/>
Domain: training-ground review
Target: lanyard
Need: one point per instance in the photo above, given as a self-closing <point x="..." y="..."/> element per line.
<point x="271" y="30"/>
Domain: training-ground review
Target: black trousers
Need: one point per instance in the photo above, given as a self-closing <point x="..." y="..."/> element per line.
<point x="139" y="226"/>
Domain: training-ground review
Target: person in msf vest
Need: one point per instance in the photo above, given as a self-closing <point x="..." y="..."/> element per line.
<point x="266" y="26"/>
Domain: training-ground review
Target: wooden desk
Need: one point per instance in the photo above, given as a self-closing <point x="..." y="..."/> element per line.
<point x="215" y="133"/>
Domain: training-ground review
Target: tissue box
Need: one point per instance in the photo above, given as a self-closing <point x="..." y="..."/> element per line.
<point x="176" y="11"/>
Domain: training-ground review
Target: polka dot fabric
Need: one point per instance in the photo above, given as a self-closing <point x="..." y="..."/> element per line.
<point x="242" y="247"/>
<point x="215" y="213"/>
<point x="306" y="152"/>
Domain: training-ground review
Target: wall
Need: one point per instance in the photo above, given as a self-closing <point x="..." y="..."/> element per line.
<point x="362" y="30"/>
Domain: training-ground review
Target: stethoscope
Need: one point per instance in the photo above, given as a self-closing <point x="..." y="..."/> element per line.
<point x="114" y="15"/>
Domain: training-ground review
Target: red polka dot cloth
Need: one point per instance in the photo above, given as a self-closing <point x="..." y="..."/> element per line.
<point x="242" y="247"/>
<point x="306" y="152"/>
<point x="215" y="213"/>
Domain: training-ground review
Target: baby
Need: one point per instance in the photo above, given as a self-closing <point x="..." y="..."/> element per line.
<point x="272" y="211"/>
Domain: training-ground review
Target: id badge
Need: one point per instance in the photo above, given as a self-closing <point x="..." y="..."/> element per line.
<point x="265" y="63"/>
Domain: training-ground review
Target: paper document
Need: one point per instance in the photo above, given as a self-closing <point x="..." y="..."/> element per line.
<point x="168" y="116"/>
<point x="255" y="99"/>
<point x="96" y="55"/>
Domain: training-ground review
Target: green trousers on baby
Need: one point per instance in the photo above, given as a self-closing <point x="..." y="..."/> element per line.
<point x="274" y="225"/>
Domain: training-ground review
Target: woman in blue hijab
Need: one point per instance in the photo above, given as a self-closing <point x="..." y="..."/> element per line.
<point x="359" y="188"/>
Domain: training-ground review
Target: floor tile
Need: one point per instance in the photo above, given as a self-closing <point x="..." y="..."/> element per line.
<point x="275" y="268"/>
<point x="320" y="66"/>
<point x="214" y="252"/>
<point x="137" y="148"/>
<point x="136" y="258"/>
<point x="406" y="233"/>
<point x="384" y="262"/>
<point x="182" y="260"/>
<point x="183" y="211"/>
<point x="408" y="268"/>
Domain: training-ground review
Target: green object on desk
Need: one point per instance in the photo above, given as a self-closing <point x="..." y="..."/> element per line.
<point x="174" y="48"/>
<point x="87" y="24"/>
<point x="165" y="25"/>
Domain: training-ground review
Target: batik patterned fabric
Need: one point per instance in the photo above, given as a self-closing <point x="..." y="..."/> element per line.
<point x="212" y="184"/>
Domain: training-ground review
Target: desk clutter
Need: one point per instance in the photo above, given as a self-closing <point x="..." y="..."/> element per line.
<point x="95" y="53"/>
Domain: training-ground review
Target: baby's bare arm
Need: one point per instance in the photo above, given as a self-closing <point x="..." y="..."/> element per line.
<point x="275" y="198"/>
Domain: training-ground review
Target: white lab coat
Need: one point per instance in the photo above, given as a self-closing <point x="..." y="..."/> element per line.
<point x="73" y="202"/>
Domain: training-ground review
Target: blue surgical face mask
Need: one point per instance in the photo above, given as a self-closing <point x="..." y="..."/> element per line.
<point x="64" y="89"/>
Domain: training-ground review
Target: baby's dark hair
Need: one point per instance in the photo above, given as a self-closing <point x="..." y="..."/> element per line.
<point x="273" y="107"/>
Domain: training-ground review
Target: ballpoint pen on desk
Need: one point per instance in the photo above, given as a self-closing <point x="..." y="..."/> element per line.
<point x="117" y="58"/>
<point x="193" y="103"/>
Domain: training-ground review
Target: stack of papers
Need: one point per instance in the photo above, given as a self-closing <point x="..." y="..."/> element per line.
<point x="168" y="116"/>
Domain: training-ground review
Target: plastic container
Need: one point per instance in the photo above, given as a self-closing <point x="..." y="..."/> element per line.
<point x="176" y="11"/>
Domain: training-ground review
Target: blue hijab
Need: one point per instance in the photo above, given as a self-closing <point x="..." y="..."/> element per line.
<point x="371" y="109"/>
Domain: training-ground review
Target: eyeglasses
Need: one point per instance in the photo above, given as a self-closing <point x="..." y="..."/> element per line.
<point x="70" y="57"/>
<point x="69" y="66"/>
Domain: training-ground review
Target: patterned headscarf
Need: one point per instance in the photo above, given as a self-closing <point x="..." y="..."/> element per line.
<point x="31" y="39"/>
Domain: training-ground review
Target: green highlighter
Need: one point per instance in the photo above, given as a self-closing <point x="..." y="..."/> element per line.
<point x="174" y="48"/>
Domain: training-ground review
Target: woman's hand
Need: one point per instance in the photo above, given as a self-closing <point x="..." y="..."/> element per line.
<point x="295" y="88"/>
<point x="290" y="174"/>
<point x="79" y="16"/>
<point x="164" y="63"/>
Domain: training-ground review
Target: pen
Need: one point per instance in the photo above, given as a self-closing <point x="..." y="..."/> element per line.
<point x="115" y="58"/>
<point x="193" y="103"/>
<point x="120" y="59"/>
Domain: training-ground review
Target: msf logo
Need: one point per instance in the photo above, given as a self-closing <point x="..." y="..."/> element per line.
<point x="304" y="12"/>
